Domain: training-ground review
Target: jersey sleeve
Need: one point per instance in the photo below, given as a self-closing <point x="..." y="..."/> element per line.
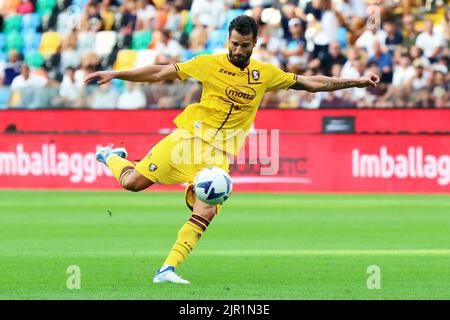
<point x="278" y="79"/>
<point x="195" y="68"/>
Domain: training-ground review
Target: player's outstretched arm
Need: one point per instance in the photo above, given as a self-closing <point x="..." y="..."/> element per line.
<point x="154" y="73"/>
<point x="322" y="83"/>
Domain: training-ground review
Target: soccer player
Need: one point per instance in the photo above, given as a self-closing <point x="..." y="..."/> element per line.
<point x="233" y="86"/>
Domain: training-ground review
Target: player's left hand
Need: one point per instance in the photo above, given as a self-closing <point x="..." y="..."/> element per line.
<point x="370" y="80"/>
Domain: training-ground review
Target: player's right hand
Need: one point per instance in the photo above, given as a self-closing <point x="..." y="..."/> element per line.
<point x="99" y="77"/>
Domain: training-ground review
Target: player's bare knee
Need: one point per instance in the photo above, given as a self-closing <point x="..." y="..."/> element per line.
<point x="131" y="184"/>
<point x="136" y="182"/>
<point x="207" y="211"/>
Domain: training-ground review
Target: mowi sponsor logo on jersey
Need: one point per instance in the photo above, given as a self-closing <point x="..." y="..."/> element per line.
<point x="240" y="94"/>
<point x="414" y="164"/>
<point x="48" y="161"/>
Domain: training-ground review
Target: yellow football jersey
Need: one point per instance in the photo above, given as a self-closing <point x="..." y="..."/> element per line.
<point x="230" y="98"/>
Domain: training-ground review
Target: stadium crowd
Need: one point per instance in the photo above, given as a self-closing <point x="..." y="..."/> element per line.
<point x="48" y="46"/>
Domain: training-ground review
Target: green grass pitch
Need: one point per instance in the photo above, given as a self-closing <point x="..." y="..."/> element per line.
<point x="262" y="246"/>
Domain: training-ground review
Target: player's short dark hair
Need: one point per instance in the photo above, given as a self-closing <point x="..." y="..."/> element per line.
<point x="244" y="25"/>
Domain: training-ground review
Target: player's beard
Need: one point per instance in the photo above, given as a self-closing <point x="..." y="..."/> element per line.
<point x="240" y="60"/>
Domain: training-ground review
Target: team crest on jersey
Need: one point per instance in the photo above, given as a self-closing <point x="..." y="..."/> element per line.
<point x="152" y="167"/>
<point x="255" y="75"/>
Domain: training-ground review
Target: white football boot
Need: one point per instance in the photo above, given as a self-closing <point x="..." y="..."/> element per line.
<point x="167" y="274"/>
<point x="103" y="153"/>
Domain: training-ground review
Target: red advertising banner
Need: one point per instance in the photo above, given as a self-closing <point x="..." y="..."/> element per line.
<point x="288" y="162"/>
<point x="161" y="121"/>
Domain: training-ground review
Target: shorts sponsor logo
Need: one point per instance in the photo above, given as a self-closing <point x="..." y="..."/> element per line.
<point x="152" y="167"/>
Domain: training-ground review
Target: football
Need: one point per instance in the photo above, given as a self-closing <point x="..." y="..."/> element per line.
<point x="213" y="185"/>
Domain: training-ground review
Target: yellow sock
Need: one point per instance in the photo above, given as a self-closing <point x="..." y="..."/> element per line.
<point x="120" y="167"/>
<point x="188" y="237"/>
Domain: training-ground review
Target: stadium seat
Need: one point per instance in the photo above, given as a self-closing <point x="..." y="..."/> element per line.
<point x="12" y="24"/>
<point x="32" y="40"/>
<point x="31" y="21"/>
<point x="126" y="59"/>
<point x="82" y="3"/>
<point x="3" y="56"/>
<point x="86" y="41"/>
<point x="341" y="37"/>
<point x="34" y="59"/>
<point x="14" y="41"/>
<point x="189" y="24"/>
<point x="105" y="42"/>
<point x="141" y="40"/>
<point x="145" y="58"/>
<point x="4" y="97"/>
<point x="2" y="41"/>
<point x="45" y="7"/>
<point x="108" y="19"/>
<point x="230" y="15"/>
<point x="50" y="43"/>
<point x="217" y="39"/>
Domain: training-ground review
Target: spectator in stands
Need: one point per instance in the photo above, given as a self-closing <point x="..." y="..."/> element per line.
<point x="71" y="93"/>
<point x="383" y="61"/>
<point x="419" y="85"/>
<point x="329" y="25"/>
<point x="24" y="86"/>
<point x="396" y="95"/>
<point x="174" y="22"/>
<point x="145" y="13"/>
<point x="313" y="7"/>
<point x="172" y="96"/>
<point x="373" y="94"/>
<point x="264" y="55"/>
<point x="132" y="98"/>
<point x="164" y="45"/>
<point x="440" y="87"/>
<point x="9" y="7"/>
<point x="394" y="37"/>
<point x="345" y="9"/>
<point x="107" y="13"/>
<point x="430" y="41"/>
<point x="333" y="57"/>
<point x="403" y="71"/>
<point x="446" y="26"/>
<point x="208" y="13"/>
<point x="417" y="53"/>
<point x="70" y="56"/>
<point x="409" y="32"/>
<point x="368" y="37"/>
<point x="269" y="37"/>
<point x="128" y="17"/>
<point x="27" y="79"/>
<point x="295" y="54"/>
<point x="68" y="20"/>
<point x="91" y="20"/>
<point x="25" y="6"/>
<point x="103" y="97"/>
<point x="197" y="42"/>
<point x="44" y="97"/>
<point x="12" y="67"/>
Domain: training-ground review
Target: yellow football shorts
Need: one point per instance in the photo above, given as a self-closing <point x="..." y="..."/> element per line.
<point x="177" y="159"/>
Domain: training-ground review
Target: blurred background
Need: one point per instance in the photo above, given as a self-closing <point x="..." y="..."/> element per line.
<point x="361" y="177"/>
<point x="48" y="46"/>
